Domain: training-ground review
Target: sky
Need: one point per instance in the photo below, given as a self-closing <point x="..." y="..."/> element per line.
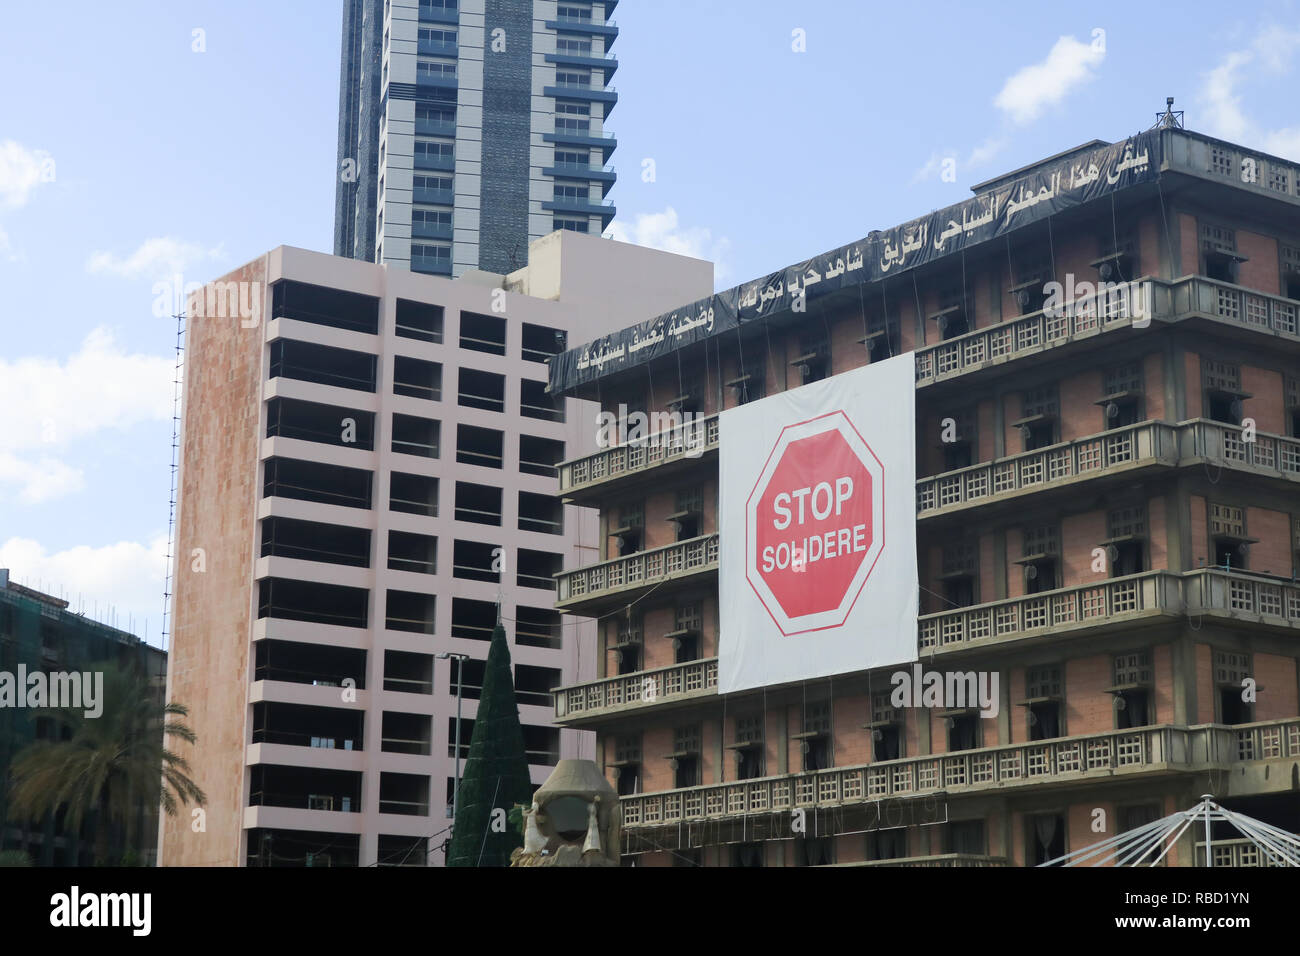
<point x="149" y="144"/>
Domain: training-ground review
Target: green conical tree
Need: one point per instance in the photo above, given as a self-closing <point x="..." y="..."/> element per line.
<point x="496" y="772"/>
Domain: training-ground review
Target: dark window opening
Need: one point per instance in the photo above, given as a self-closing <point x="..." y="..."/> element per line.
<point x="958" y="454"/>
<point x="629" y="779"/>
<point x="485" y="390"/>
<point x="533" y="684"/>
<point x="1121" y="412"/>
<point x="541" y="513"/>
<point x="539" y="456"/>
<point x="473" y="620"/>
<point x="406" y="794"/>
<point x="417" y="378"/>
<point x="322" y="365"/>
<point x="814" y="851"/>
<point x="534" y="402"/>
<point x="1040" y="576"/>
<point x="408" y="551"/>
<point x="887" y="844"/>
<point x="415" y="436"/>
<point x="886" y="742"/>
<point x="466" y="735"/>
<point x="314" y="541"/>
<point x="1131" y="709"/>
<point x="963" y="732"/>
<point x="540" y="342"/>
<point x="541" y="745"/>
<point x="413" y="494"/>
<point x="327" y="424"/>
<point x="470" y="673"/>
<point x="537" y="569"/>
<point x="300" y="725"/>
<point x="1230" y="553"/>
<point x="687" y="772"/>
<point x="408" y="672"/>
<point x="1224" y="407"/>
<point x="403" y="851"/>
<point x="1045" y="720"/>
<point x="418" y="320"/>
<point x="1046" y="839"/>
<point x="686" y="648"/>
<point x="749" y="763"/>
<point x="483" y="333"/>
<point x="320" y="665"/>
<point x="302" y="848"/>
<point x="316" y="482"/>
<point x="747" y="855"/>
<point x="1220" y="266"/>
<point x="1232" y="709"/>
<point x="406" y="733"/>
<point x="816" y="753"/>
<point x="1127" y="558"/>
<point x="480" y="504"/>
<point x="312" y="602"/>
<point x="304" y="788"/>
<point x="965" y="837"/>
<point x="1038" y="434"/>
<point x="324" y="306"/>
<point x="537" y="627"/>
<point x="477" y="561"/>
<point x="409" y="611"/>
<point x="959" y="591"/>
<point x="629" y="659"/>
<point x="484" y="447"/>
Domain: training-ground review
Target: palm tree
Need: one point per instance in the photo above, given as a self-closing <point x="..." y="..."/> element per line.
<point x="114" y="766"/>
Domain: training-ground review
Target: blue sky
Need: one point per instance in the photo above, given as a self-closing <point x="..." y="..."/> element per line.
<point x="127" y="157"/>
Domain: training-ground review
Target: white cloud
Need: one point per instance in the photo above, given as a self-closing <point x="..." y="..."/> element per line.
<point x="1031" y="90"/>
<point x="48" y="404"/>
<point x="41" y="480"/>
<point x="21" y="171"/>
<point x="1221" y="98"/>
<point x="661" y="230"/>
<point x="986" y="151"/>
<point x="128" y="576"/>
<point x="155" y="258"/>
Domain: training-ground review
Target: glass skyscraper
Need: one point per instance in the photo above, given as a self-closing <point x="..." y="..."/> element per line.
<point x="469" y="127"/>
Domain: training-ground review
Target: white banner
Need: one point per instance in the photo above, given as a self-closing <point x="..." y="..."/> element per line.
<point x="817" y="574"/>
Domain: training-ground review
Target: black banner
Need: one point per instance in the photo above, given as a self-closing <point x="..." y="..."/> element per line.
<point x="1079" y="179"/>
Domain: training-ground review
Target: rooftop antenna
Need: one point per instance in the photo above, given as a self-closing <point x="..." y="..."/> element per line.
<point x="1170" y="118"/>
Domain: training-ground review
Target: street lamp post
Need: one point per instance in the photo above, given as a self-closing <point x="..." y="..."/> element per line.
<point x="460" y="673"/>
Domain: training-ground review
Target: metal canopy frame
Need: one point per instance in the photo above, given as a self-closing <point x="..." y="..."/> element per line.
<point x="1133" y="847"/>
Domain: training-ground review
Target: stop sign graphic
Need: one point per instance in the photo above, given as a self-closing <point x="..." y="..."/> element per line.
<point x="814" y="524"/>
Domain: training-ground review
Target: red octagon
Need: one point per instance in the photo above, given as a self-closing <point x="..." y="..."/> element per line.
<point x="815" y="524"/>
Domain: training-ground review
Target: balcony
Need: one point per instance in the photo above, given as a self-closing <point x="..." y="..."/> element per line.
<point x="1238" y="852"/>
<point x="582" y="478"/>
<point x="1127" y="306"/>
<point x="576" y="25"/>
<point x="1088" y="758"/>
<point x="581" y="207"/>
<point x="595" y="587"/>
<point x="446" y="163"/>
<point x="940" y="860"/>
<point x="589" y="94"/>
<point x="435" y="197"/>
<point x="680" y="682"/>
<point x="438" y="14"/>
<point x="605" y="142"/>
<point x="430" y="230"/>
<point x="435" y="47"/>
<point x="1087" y="316"/>
<point x="1120" y="451"/>
<point x="424" y="127"/>
<point x="607" y="63"/>
<point x="1116" y="453"/>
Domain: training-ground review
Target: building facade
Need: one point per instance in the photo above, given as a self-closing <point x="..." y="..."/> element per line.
<point x="367" y="474"/>
<point x="38" y="632"/>
<point x="468" y="128"/>
<point x="1108" y="519"/>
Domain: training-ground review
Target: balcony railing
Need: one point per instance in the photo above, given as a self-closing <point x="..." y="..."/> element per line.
<point x="665" y="683"/>
<point x="1275" y="455"/>
<point x="1242" y="595"/>
<point x="1081" y="758"/>
<point x="1116" y="307"/>
<point x="1069" y="758"/>
<point x="1099" y="603"/>
<point x="1080" y="458"/>
<point x="682" y="441"/>
<point x="1237" y="305"/>
<point x="944" y="860"/>
<point x="1239" y="852"/>
<point x="637" y="570"/>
